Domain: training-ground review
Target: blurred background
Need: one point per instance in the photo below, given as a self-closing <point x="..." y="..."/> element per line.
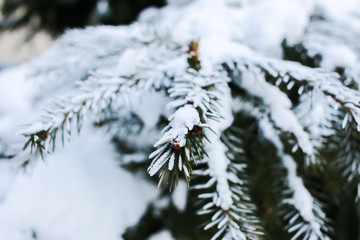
<point x="28" y="27"/>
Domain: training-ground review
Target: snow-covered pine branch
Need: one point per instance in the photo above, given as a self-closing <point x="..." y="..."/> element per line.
<point x="198" y="97"/>
<point x="308" y="222"/>
<point x="225" y="193"/>
<point x="293" y="74"/>
<point x="139" y="68"/>
<point x="279" y="109"/>
<point x="348" y="157"/>
<point x="96" y="95"/>
<point x="108" y="44"/>
<point x="318" y="113"/>
<point x="229" y="205"/>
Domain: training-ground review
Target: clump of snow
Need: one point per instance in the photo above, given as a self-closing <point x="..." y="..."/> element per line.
<point x="34" y="128"/>
<point x="17" y="233"/>
<point x="181" y="122"/>
<point x="338" y="56"/>
<point x="186" y="116"/>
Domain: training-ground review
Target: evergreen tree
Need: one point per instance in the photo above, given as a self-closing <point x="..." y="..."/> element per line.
<point x="262" y="119"/>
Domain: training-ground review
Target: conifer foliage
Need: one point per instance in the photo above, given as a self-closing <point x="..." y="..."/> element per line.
<point x="255" y="135"/>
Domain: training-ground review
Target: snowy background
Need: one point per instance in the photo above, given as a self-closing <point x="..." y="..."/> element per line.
<point x="80" y="192"/>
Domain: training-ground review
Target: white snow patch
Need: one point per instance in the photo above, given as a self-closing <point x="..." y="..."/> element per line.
<point x="302" y="200"/>
<point x="181" y="122"/>
<point x="338" y="56"/>
<point x="218" y="162"/>
<point x="149" y="106"/>
<point x="268" y="23"/>
<point x="179" y="196"/>
<point x="15" y="95"/>
<point x="7" y="174"/>
<point x="128" y="62"/>
<point x="79" y="194"/>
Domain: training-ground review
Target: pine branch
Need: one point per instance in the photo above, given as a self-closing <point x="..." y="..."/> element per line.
<point x="291" y="73"/>
<point x="225" y="192"/>
<point x="96" y="95"/>
<point x="325" y="38"/>
<point x="308" y="221"/>
<point x="197" y="99"/>
<point x="277" y="106"/>
<point x="230" y="205"/>
<point x="318" y="114"/>
<point x="151" y="68"/>
<point x="95" y="48"/>
<point x="348" y="155"/>
<point x="107" y="48"/>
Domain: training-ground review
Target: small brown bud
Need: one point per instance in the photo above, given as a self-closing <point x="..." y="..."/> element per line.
<point x="197" y="130"/>
<point x="176" y="145"/>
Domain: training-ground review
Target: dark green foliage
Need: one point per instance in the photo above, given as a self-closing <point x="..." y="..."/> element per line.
<point x="299" y="53"/>
<point x="125" y="11"/>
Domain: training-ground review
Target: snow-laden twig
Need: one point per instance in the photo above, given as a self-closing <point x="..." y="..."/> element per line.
<point x="228" y="204"/>
<point x="96" y="48"/>
<point x="317" y="112"/>
<point x="289" y="73"/>
<point x="96" y="95"/>
<point x="348" y="156"/>
<point x="103" y="90"/>
<point x="309" y="221"/>
<point x="197" y="99"/>
<point x="338" y="43"/>
<point x="279" y="108"/>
